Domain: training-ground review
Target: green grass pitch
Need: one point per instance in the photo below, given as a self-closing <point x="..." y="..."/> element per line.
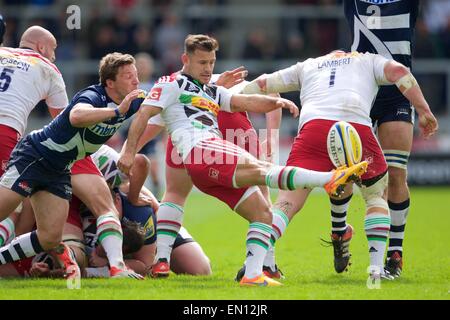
<point x="308" y="265"/>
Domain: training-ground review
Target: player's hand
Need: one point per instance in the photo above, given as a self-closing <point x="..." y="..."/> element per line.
<point x="288" y="104"/>
<point x="39" y="269"/>
<point x="125" y="104"/>
<point x="267" y="148"/>
<point x="143" y="200"/>
<point x="125" y="163"/>
<point x="231" y="78"/>
<point x="428" y="124"/>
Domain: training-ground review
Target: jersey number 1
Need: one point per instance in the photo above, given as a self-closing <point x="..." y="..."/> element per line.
<point x="332" y="77"/>
<point x="5" y="79"/>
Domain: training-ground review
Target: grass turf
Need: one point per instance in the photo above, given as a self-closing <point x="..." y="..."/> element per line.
<point x="307" y="264"/>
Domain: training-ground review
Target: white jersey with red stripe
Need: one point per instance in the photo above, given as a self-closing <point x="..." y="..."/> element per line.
<point x="189" y="109"/>
<point x="337" y="86"/>
<point x="26" y="78"/>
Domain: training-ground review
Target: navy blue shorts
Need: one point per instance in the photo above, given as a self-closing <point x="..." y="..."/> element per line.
<point x="28" y="172"/>
<point x="392" y="112"/>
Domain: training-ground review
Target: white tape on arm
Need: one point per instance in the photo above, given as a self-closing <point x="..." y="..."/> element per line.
<point x="271" y="83"/>
<point x="406" y="82"/>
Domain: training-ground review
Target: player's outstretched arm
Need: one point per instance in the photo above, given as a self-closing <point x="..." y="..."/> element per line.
<point x="137" y="127"/>
<point x="261" y="104"/>
<point x="84" y="115"/>
<point x="400" y="75"/>
<point x="285" y="80"/>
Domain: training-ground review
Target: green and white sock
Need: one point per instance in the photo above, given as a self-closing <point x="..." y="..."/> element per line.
<point x="169" y="221"/>
<point x="279" y="224"/>
<point x="109" y="235"/>
<point x="258" y="238"/>
<point x="7" y="229"/>
<point x="377" y="227"/>
<point x="292" y="178"/>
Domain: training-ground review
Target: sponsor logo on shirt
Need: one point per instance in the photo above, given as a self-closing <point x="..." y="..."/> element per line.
<point x="24" y="186"/>
<point x="213" y="173"/>
<point x="155" y="94"/>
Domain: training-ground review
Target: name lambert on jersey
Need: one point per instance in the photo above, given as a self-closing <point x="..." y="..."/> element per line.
<point x="333" y="63"/>
<point x="11" y="62"/>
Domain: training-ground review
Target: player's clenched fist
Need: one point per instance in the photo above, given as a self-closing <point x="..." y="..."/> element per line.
<point x="125" y="163"/>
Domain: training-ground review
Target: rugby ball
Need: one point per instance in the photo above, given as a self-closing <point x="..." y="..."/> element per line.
<point x="344" y="145"/>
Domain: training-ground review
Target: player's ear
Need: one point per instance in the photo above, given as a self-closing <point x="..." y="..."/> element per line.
<point x="185" y="58"/>
<point x="109" y="83"/>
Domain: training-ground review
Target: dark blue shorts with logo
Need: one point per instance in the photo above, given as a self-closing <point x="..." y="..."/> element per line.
<point x="28" y="172"/>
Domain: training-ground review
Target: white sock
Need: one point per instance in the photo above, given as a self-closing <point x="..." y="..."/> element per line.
<point x="109" y="235"/>
<point x="291" y="178"/>
<point x="169" y="221"/>
<point x="258" y="237"/>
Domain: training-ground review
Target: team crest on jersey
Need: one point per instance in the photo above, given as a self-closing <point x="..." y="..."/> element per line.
<point x="155" y="94"/>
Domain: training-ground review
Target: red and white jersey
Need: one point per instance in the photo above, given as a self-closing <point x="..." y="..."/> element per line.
<point x="189" y="109"/>
<point x="26" y="78"/>
<point x="337" y="86"/>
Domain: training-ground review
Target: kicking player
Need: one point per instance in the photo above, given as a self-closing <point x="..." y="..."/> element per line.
<point x="40" y="163"/>
<point x="334" y="87"/>
<point x="236" y="128"/>
<point x="189" y="108"/>
<point x="28" y="76"/>
<point x="387" y="28"/>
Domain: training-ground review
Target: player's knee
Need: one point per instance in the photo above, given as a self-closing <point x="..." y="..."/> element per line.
<point x="373" y="195"/>
<point x="397" y="177"/>
<point x="49" y="239"/>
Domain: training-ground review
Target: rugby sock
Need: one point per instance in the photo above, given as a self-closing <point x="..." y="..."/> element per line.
<point x="6" y="231"/>
<point x="24" y="246"/>
<point x="169" y="221"/>
<point x="339" y="209"/>
<point x="377" y="226"/>
<point x="291" y="178"/>
<point x="109" y="234"/>
<point x="279" y="225"/>
<point x="258" y="242"/>
<point x="399" y="212"/>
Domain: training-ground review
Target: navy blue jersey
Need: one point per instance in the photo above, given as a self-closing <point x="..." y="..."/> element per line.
<point x="385" y="27"/>
<point x="61" y="144"/>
